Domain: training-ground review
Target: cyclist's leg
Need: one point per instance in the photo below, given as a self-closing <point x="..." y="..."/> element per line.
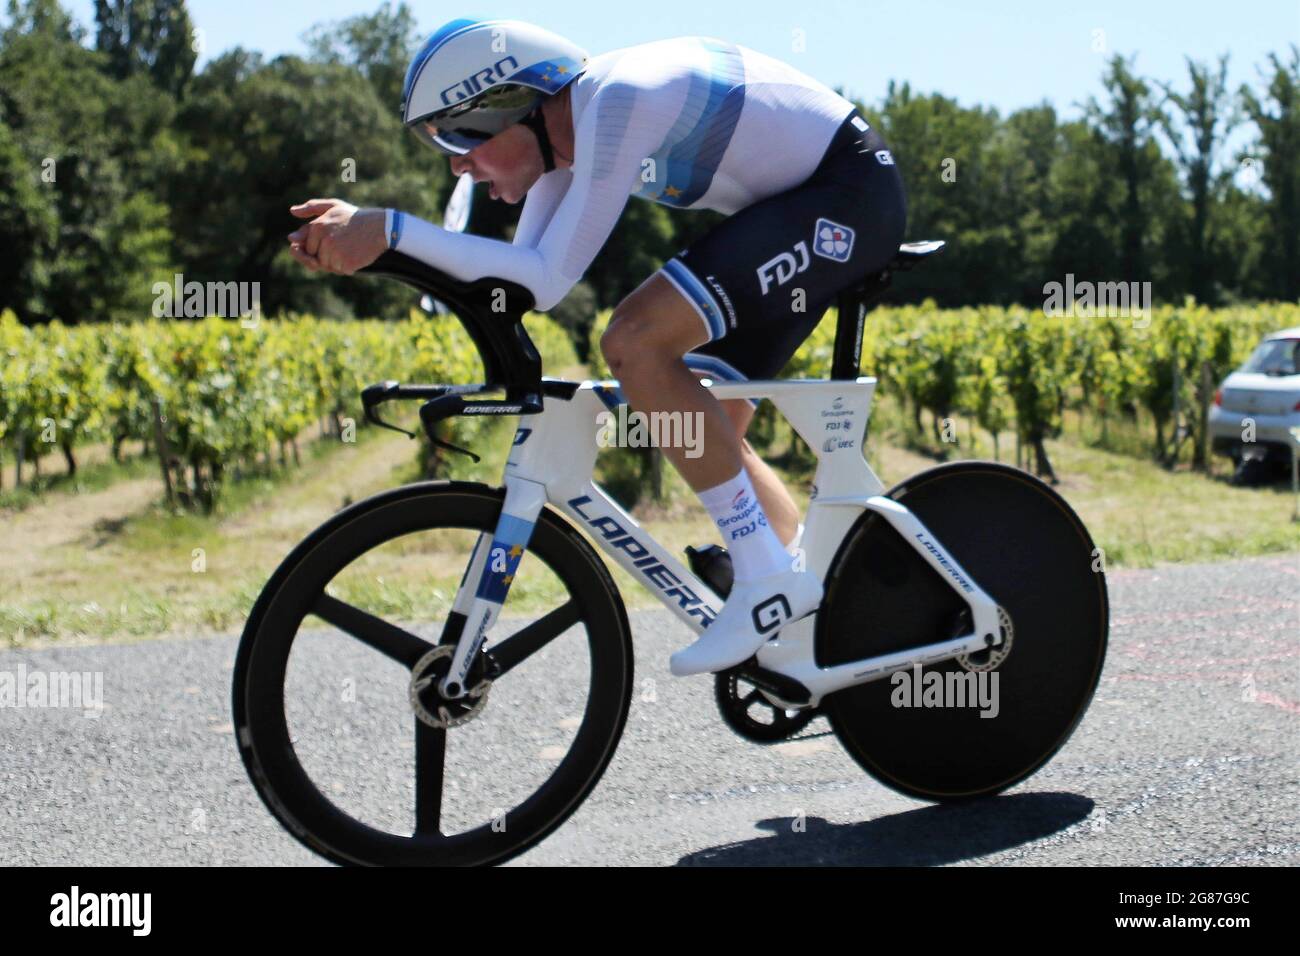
<point x="782" y="512"/>
<point x="649" y="333"/>
<point x="655" y="332"/>
<point x="652" y="329"/>
<point x="761" y="280"/>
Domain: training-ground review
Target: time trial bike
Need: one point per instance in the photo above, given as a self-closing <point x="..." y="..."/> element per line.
<point x="440" y="674"/>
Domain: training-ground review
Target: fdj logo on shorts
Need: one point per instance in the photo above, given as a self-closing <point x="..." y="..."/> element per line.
<point x="832" y="241"/>
<point x="783" y="267"/>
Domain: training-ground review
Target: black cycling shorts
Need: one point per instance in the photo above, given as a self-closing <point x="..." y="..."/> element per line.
<point x="750" y="275"/>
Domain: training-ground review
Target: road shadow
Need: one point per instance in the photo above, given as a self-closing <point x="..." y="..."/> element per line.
<point x="928" y="836"/>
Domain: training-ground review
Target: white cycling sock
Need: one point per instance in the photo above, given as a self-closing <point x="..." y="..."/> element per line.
<point x="755" y="549"/>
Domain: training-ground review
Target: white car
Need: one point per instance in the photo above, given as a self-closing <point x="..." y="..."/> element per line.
<point x="1262" y="396"/>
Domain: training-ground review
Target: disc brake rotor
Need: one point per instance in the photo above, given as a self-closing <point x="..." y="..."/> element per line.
<point x="992" y="657"/>
<point x="430" y="706"/>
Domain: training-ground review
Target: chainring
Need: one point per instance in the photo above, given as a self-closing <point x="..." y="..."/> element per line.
<point x="737" y="711"/>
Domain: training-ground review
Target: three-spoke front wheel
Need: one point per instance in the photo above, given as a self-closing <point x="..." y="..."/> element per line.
<point x="337" y="712"/>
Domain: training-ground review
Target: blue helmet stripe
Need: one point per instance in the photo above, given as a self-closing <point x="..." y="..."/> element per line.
<point x="445" y="33"/>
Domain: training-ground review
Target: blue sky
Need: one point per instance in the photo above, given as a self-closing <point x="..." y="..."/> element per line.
<point x="1005" y="54"/>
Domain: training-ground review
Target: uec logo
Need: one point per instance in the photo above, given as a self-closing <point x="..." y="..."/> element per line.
<point x="474" y="83"/>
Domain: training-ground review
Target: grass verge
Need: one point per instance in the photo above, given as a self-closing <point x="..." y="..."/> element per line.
<point x="112" y="563"/>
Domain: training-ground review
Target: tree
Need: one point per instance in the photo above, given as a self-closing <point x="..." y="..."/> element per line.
<point x="304" y="129"/>
<point x="40" y="16"/>
<point x="641" y="242"/>
<point x="153" y="37"/>
<point x="84" y="156"/>
<point x="1278" y="119"/>
<point x="1126" y="123"/>
<point x="1081" y="198"/>
<point x="953" y="178"/>
<point x="29" y="222"/>
<point x="1207" y="119"/>
<point x="378" y="45"/>
<point x="1032" y="142"/>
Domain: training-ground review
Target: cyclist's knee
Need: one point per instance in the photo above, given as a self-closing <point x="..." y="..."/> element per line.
<point x="652" y="327"/>
<point x="632" y="341"/>
<point x="616" y="343"/>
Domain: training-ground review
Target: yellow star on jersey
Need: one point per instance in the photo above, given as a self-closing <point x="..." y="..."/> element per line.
<point x="516" y="551"/>
<point x="672" y="192"/>
<point x="507" y="579"/>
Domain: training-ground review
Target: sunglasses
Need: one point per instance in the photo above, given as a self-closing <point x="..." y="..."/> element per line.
<point x="460" y="128"/>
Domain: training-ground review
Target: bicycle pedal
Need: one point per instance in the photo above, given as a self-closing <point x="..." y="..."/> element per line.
<point x="712" y="565"/>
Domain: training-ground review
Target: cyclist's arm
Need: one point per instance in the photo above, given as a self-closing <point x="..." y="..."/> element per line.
<point x="611" y="142"/>
<point x="540" y="205"/>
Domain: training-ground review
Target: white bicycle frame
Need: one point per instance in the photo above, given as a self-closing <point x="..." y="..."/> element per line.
<point x="552" y="462"/>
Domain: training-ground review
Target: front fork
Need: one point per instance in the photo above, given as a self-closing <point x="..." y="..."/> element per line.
<point x="487" y="579"/>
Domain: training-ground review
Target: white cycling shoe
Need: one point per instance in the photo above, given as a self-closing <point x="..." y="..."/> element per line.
<point x="755" y="611"/>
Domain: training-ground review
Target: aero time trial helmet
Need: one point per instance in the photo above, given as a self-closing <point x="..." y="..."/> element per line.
<point x="474" y="78"/>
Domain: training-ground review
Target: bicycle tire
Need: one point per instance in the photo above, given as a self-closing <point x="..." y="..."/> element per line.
<point x="261" y="727"/>
<point x="1030" y="552"/>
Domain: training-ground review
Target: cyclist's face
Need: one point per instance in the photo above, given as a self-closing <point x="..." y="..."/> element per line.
<point x="510" y="161"/>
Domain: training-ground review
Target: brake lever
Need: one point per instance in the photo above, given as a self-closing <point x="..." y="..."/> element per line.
<point x="373" y="395"/>
<point x="446" y="444"/>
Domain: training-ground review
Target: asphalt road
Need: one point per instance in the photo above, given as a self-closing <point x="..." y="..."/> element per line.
<point x="1189" y="755"/>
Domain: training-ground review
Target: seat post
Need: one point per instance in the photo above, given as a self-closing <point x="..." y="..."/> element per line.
<point x="852" y="304"/>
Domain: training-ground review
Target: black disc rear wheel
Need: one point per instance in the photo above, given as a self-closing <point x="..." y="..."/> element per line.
<point x="1029" y="551"/>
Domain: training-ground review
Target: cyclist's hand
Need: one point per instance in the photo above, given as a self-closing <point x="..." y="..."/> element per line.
<point x="340" y="237"/>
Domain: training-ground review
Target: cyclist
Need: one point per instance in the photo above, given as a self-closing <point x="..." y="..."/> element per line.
<point x="814" y="202"/>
